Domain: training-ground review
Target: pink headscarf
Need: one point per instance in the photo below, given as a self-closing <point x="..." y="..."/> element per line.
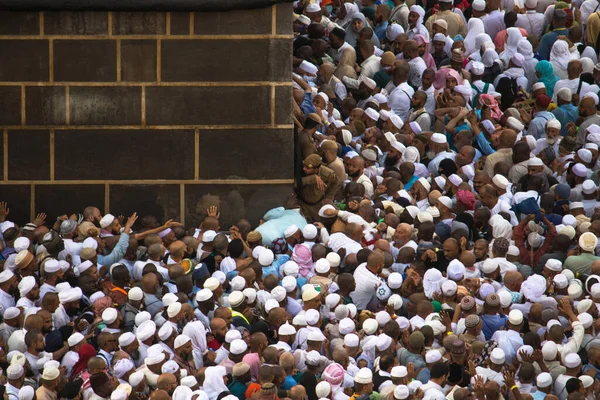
<point x="491" y="102"/>
<point x="427" y="57"/>
<point x="303" y="257"/>
<point x="442" y="74"/>
<point x="102" y="304"/>
<point x="334" y="375"/>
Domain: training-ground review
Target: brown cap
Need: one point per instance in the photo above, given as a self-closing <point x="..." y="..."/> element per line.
<point x="254" y="236"/>
<point x="416" y="339"/>
<point x="467" y="303"/>
<point x="312" y="161"/>
<point x="457" y="55"/>
<point x="471" y="321"/>
<point x="388" y="58"/>
<point x="240" y="369"/>
<point x="87" y="253"/>
<point x="329" y="144"/>
<point x="458" y="348"/>
<point x="492" y="300"/>
<point x="267" y="389"/>
<point x="24" y="258"/>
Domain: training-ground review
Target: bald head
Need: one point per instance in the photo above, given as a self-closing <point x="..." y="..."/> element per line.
<point x="149" y="283"/>
<point x="287" y="361"/>
<point x="177" y="249"/>
<point x="507" y="139"/>
<point x="513" y="280"/>
<point x="160" y="395"/>
<point x="156" y="251"/>
<point x="297" y="392"/>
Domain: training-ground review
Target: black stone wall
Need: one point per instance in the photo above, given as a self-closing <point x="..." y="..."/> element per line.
<point x="155" y="112"/>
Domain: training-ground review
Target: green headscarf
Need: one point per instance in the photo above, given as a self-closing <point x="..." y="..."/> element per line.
<point x="545" y="69"/>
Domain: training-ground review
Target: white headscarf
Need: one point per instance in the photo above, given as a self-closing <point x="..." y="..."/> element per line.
<point x="474" y="28"/>
<point x="182" y="393"/>
<point x="411" y="154"/>
<point x="513" y="37"/>
<point x="351" y="9"/>
<point x="196" y="332"/>
<point x="432" y="282"/>
<point x="213" y="382"/>
<point x="489" y="56"/>
<point x="560" y="55"/>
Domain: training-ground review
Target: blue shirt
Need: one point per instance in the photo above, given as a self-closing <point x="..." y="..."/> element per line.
<point x="492" y="323"/>
<point x="307" y="106"/>
<point x="548" y="40"/>
<point x="424" y="375"/>
<point x="537" y="126"/>
<point x="588" y="367"/>
<point x="565" y="114"/>
<point x="289" y="383"/>
<point x="409" y="184"/>
<point x="380" y="30"/>
<point x="484" y="145"/>
<point x="538" y="395"/>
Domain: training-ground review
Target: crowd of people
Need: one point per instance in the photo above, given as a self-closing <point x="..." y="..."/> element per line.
<point x="441" y="243"/>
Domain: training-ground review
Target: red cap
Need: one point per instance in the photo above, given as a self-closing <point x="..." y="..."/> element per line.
<point x="542" y="100"/>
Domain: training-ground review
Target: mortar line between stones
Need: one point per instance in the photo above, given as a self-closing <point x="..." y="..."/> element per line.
<point x="67" y="106"/>
<point x="51" y="60"/>
<point x="143" y="106"/>
<point x="182" y="203"/>
<point x="106" y="198"/>
<point x="118" y="60"/>
<point x="158" y="64"/>
<point x="196" y="154"/>
<point x="32" y="202"/>
<point x="110" y="24"/>
<point x="23" y="116"/>
<point x="191" y="23"/>
<point x="41" y="23"/>
<point x="272" y="106"/>
<point x="168" y="27"/>
<point x="152" y="182"/>
<point x="52" y="154"/>
<point x="5" y="150"/>
<point x="273" y="20"/>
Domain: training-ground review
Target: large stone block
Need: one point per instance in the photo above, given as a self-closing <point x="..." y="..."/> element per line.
<point x="24" y="61"/>
<point x="193" y="60"/>
<point x="18" y="198"/>
<point x="56" y="200"/>
<point x="139" y="23"/>
<point x="283" y="105"/>
<point x="162" y="201"/>
<point x="28" y="155"/>
<point x="138" y="60"/>
<point x="234" y="201"/>
<point x="105" y="105"/>
<point x="124" y="154"/>
<point x="207" y="105"/>
<point x="284" y="18"/>
<point x="257" y="154"/>
<point x="180" y="23"/>
<point x="45" y="105"/>
<point x="85" y="60"/>
<point x="76" y="23"/>
<point x="238" y="22"/>
<point x="19" y="23"/>
<point x="10" y="104"/>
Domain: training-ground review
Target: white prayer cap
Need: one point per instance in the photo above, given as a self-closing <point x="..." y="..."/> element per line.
<point x="595" y="290"/>
<point x="174" y="309"/>
<point x="497" y="356"/>
<point x="446" y="201"/>
<point x="575" y="290"/>
<point x="14" y="371"/>
<point x="205" y="295"/>
<point x="505" y="298"/>
<point x="346" y="136"/>
<point x="316" y="336"/>
<point x="51" y="266"/>
<point x="351" y="340"/>
<point x="90" y="243"/>
<point x="165" y="331"/>
<point x="569" y="220"/>
<point x="145" y="330"/>
<point x="572" y="360"/>
<point x="397" y="121"/>
<point x="69" y="295"/>
<point x="381" y="99"/>
<point x="553" y="124"/>
<point x="220" y="276"/>
<point x="544" y="379"/>
<point x="238" y="347"/>
<point x="513" y="251"/>
<point x="288" y="283"/>
<point x="563" y="94"/>
<point x="208" y="236"/>
<point x="371" y="84"/>
<point x="271" y="304"/>
<point x="309" y="68"/>
<point x="250" y="294"/>
<point x="489" y="266"/>
<point x="394" y="280"/>
<point x="323" y="96"/>
<point x="477" y="68"/>
<point x="123" y="366"/>
<point x="455" y="179"/>
<point x="212" y="283"/>
<point x="136" y="378"/>
<point x="383" y="342"/>
<point x="141" y="317"/>
<point x="488" y="126"/>
<point x="584" y="305"/>
<point x="311" y="8"/>
<point x="414" y="385"/>
<point x="369" y="155"/>
<point x="370" y="325"/>
<point x="352" y="309"/>
<point x="561" y="281"/>
<point x="309" y="293"/>
<point x="75" y="339"/>
<point x="364" y="376"/>
<point x="238" y="283"/>
<point x="534" y="239"/>
<point x="537" y="86"/>
<point x="585" y="155"/>
<point x="21" y="243"/>
<point x="440" y="37"/>
<point x="456" y="270"/>
<point x="309" y="231"/>
<point x="169" y="299"/>
<point x="585" y="319"/>
<point x="535" y="162"/>
<point x="589" y="187"/>
<point x="50" y="373"/>
<point x="591" y="95"/>
<point x="299" y="320"/>
<point x="189" y="381"/>
<point x="154" y="359"/>
<point x="433" y="356"/>
<point x="515" y="123"/>
<point x="312" y="316"/>
<point x="553" y="265"/>
<point x="415" y="127"/>
<point x="332" y="300"/>
<point x="236" y="298"/>
<point x="266" y="257"/>
<point x="382" y="318"/>
<point x="341" y="312"/>
<point x="334" y="259"/>
<point x="181" y="340"/>
<point x="322" y="266"/>
<point x="346" y="326"/>
<point x="109" y="315"/>
<point x="27" y="283"/>
<point x="515" y="317"/>
<point x="399" y="371"/>
<point x="290" y="230"/>
<point x="126" y="339"/>
<point x="517" y="59"/>
<point x="278" y="293"/>
<point x="26" y="393"/>
<point x="118" y="394"/>
<point x="371" y="113"/>
<point x="500" y="181"/>
<point x="135" y="294"/>
<point x="286" y="329"/>
<point x="396" y="301"/>
<point x="588" y="242"/>
<point x="439" y="138"/>
<point x="580" y="170"/>
<point x="575" y="205"/>
<point x="323" y="389"/>
<point x="107" y="220"/>
<point x="401" y="392"/>
<point x="449" y="288"/>
<point x="232" y="334"/>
